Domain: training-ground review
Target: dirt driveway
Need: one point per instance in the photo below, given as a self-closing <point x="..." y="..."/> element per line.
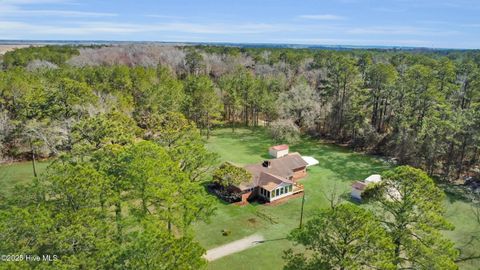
<point x="233" y="247"/>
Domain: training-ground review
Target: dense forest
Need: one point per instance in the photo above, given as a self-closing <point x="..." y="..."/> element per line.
<point x="125" y="127"/>
<point x="417" y="107"/>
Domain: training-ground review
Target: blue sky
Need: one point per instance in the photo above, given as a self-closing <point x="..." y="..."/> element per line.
<point x="426" y="23"/>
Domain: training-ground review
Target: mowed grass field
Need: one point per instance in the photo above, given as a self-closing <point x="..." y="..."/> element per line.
<point x="337" y="169"/>
<point x="17" y="174"/>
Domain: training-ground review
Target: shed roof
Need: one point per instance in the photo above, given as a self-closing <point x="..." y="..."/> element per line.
<point x="374" y="178"/>
<point x="310" y="160"/>
<point x="359" y="185"/>
<point x="280" y="147"/>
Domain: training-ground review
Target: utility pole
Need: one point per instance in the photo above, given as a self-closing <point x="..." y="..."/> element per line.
<point x="301" y="212"/>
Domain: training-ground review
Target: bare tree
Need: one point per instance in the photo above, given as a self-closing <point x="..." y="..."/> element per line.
<point x="301" y="104"/>
<point x="40" y="64"/>
<point x="147" y="55"/>
<point x="333" y="196"/>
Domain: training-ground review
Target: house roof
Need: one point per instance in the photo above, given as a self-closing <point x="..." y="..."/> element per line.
<point x="280" y="147"/>
<point x="269" y="181"/>
<point x="286" y="164"/>
<point x="280" y="168"/>
<point x="359" y="185"/>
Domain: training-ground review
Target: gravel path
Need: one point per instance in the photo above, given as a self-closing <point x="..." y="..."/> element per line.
<point x="233" y="247"/>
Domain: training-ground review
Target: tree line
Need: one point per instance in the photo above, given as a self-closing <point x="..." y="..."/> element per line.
<point x="127" y="125"/>
<point x="119" y="197"/>
<point x="420" y="108"/>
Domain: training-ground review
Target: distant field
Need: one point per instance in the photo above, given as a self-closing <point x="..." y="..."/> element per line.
<point x="7" y="48"/>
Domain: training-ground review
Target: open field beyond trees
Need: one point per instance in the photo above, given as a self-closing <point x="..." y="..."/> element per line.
<point x="337" y="169"/>
<point x="4" y="48"/>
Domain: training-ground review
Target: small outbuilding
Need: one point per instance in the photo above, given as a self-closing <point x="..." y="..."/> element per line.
<point x="359" y="187"/>
<point x="310" y="160"/>
<point x="374" y="178"/>
<point x="278" y="151"/>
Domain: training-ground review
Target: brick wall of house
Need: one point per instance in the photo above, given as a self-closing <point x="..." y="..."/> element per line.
<point x="299" y="173"/>
<point x="245" y="197"/>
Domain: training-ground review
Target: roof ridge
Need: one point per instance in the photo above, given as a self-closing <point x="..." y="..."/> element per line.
<point x="283" y="179"/>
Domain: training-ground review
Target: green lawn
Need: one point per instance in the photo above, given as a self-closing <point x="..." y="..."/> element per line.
<point x="467" y="230"/>
<point x="16" y="174"/>
<point x="337" y="169"/>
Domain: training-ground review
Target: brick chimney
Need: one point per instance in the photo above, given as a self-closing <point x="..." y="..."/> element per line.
<point x="267" y="164"/>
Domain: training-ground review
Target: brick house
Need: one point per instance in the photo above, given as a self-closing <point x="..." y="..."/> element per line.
<point x="275" y="178"/>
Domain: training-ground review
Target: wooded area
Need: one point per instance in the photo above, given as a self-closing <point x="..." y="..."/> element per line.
<point x="419" y="107"/>
<point x="126" y="128"/>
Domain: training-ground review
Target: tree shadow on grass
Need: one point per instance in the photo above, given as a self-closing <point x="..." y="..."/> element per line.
<point x="346" y="164"/>
<point x="217" y="199"/>
<point x="266" y="156"/>
<point x="455" y="193"/>
<point x="256" y="141"/>
<point x="270" y="240"/>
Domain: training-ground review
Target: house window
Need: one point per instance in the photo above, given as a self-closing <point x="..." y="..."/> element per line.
<point x="268" y="194"/>
<point x="277" y="192"/>
<point x="281" y="190"/>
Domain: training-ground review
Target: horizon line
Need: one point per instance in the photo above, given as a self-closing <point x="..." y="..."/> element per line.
<point x="237" y="44"/>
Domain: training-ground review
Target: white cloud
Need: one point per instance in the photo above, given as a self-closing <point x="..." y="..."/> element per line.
<point x="219" y="28"/>
<point x="400" y="30"/>
<point x="164" y="16"/>
<point x="323" y="17"/>
<point x="28" y="2"/>
<point x="39" y="19"/>
<point x="51" y="12"/>
<point x="474" y="25"/>
<point x="90" y="28"/>
<point x="16" y="8"/>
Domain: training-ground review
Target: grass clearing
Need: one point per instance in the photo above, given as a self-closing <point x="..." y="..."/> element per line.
<point x="337" y="169"/>
<point x="18" y="173"/>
